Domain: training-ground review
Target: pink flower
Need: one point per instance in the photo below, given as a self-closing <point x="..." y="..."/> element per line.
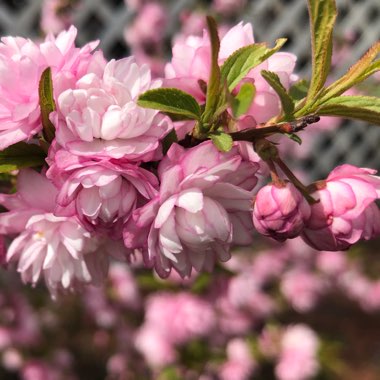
<point x="149" y="26"/>
<point x="228" y="7"/>
<point x="191" y="58"/>
<point x="202" y="208"/>
<point x="56" y="248"/>
<point x="124" y="285"/>
<point x="298" y="359"/>
<point x="280" y="211"/>
<point x="52" y="19"/>
<point x="240" y="363"/>
<point x="191" y="63"/>
<point x="332" y="263"/>
<point x="100" y="118"/>
<point x="302" y="289"/>
<point x="346" y="211"/>
<point x="179" y="317"/>
<point x="102" y="194"/>
<point x="245" y="292"/>
<point x="157" y="351"/>
<point x="21" y="65"/>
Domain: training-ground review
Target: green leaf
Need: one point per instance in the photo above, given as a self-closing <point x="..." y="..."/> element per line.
<point x="322" y="19"/>
<point x="243" y="100"/>
<point x="21" y="155"/>
<point x="214" y="83"/>
<point x="360" y="71"/>
<point x="172" y="101"/>
<point x="366" y="108"/>
<point x="47" y="104"/>
<point x="223" y="141"/>
<point x="294" y="137"/>
<point x="168" y="140"/>
<point x="299" y="90"/>
<point x="275" y="82"/>
<point x="238" y="64"/>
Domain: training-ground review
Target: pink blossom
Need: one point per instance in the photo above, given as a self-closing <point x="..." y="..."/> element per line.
<point x="245" y="292"/>
<point x="332" y="263"/>
<point x="192" y="23"/>
<point x="228" y="7"/>
<point x="179" y="317"/>
<point x="298" y="359"/>
<point x="53" y="19"/>
<point x="148" y="28"/>
<point x="56" y="248"/>
<point x="240" y="363"/>
<point x="371" y="299"/>
<point x="280" y="211"/>
<point x="21" y="65"/>
<point x="232" y="320"/>
<point x="124" y="285"/>
<point x="302" y="289"/>
<point x="202" y="208"/>
<point x="157" y="351"/>
<point x="346" y="211"/>
<point x="191" y="63"/>
<point x="268" y="266"/>
<point x="35" y="369"/>
<point x="12" y="359"/>
<point x="102" y="194"/>
<point x="100" y="117"/>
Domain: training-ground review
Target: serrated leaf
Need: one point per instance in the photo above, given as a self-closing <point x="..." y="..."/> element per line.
<point x="21" y="155"/>
<point x="171" y="100"/>
<point x="223" y="141"/>
<point x="299" y="90"/>
<point x="243" y="100"/>
<point x="366" y="108"/>
<point x="47" y="104"/>
<point x="168" y="140"/>
<point x="360" y="71"/>
<point x="322" y="16"/>
<point x="214" y="84"/>
<point x="238" y="64"/>
<point x="275" y="82"/>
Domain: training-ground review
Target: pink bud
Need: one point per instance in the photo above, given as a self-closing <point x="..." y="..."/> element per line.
<point x="280" y="211"/>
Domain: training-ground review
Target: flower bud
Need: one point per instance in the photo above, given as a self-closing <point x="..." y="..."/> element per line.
<point x="280" y="211"/>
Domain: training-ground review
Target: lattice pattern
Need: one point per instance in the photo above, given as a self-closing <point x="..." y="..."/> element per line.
<point x="106" y="20"/>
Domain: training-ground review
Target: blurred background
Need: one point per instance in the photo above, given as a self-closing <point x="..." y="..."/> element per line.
<point x="274" y="311"/>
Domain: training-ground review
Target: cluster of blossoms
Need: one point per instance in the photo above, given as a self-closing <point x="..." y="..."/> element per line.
<point x="255" y="318"/>
<point x="109" y="191"/>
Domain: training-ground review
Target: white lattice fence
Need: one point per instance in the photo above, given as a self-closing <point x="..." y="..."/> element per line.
<point x="106" y="20"/>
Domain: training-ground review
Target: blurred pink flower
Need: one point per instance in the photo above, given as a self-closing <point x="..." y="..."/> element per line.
<point x="156" y="349"/>
<point x="240" y="363"/>
<point x="228" y="7"/>
<point x="332" y="263"/>
<point x="298" y="359"/>
<point x="302" y="289"/>
<point x="179" y="317"/>
<point x="53" y="19"/>
<point x="148" y="28"/>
